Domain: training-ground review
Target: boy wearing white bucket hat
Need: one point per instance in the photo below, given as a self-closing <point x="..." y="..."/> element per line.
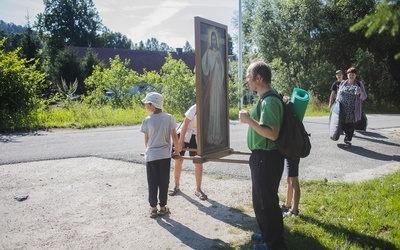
<point x="158" y="128"/>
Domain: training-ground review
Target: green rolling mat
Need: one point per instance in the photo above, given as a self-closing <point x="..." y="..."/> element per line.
<point x="300" y="99"/>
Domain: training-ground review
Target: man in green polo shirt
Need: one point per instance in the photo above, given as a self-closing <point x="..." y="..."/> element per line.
<point x="266" y="163"/>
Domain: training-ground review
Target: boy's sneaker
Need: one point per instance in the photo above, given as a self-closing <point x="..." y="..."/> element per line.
<point x="347" y="142"/>
<point x="290" y="213"/>
<point x="262" y="246"/>
<point x="284" y="208"/>
<point x="256" y="237"/>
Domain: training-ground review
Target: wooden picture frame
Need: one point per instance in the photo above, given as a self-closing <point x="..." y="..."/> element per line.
<point x="212" y="97"/>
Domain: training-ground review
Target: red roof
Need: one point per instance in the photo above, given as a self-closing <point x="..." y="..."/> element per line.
<point x="139" y="59"/>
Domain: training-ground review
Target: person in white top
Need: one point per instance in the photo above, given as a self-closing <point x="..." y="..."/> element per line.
<point x="187" y="139"/>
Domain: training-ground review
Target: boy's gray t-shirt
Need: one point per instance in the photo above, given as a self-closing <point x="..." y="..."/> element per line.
<point x="158" y="127"/>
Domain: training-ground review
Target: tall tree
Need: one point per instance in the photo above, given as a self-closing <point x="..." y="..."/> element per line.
<point x="12" y="42"/>
<point x="385" y="18"/>
<point x="13" y="33"/>
<point x="89" y="62"/>
<point x="116" y="40"/>
<point x="187" y="47"/>
<point x="230" y="45"/>
<point x="340" y="45"/>
<point x="68" y="23"/>
<point x="249" y="7"/>
<point x="288" y="31"/>
<point x="67" y="67"/>
<point x="141" y="46"/>
<point x="152" y="44"/>
<point x="165" y="47"/>
<point x="306" y="40"/>
<point x="30" y="43"/>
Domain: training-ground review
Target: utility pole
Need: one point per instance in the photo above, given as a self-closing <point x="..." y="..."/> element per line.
<point x="240" y="77"/>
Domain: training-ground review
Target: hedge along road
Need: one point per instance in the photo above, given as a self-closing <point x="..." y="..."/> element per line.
<point x="374" y="152"/>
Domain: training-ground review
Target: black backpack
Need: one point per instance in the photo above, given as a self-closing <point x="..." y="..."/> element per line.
<point x="293" y="141"/>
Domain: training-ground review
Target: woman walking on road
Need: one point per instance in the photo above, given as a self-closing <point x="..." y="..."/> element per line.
<point x="350" y="95"/>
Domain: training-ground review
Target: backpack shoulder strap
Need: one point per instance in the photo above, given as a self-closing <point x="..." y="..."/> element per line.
<point x="265" y="95"/>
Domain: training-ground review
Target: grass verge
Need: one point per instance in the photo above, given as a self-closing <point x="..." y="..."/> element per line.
<point x="344" y="216"/>
<point x="80" y="115"/>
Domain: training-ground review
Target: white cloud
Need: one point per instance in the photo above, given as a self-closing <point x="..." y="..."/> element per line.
<point x="157" y="17"/>
<point x="170" y="21"/>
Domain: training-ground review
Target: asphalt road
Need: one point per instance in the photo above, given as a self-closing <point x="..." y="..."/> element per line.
<point x="374" y="151"/>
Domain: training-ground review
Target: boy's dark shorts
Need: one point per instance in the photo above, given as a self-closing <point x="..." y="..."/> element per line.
<point x="191" y="144"/>
<point x="292" y="167"/>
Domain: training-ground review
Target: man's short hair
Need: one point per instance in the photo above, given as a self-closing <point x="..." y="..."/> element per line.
<point x="262" y="69"/>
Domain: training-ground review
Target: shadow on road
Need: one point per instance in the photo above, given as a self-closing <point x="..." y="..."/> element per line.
<point x="223" y="213"/>
<point x="235" y="218"/>
<point x="369" y="153"/>
<point x="377" y="140"/>
<point x="13" y="137"/>
<point x="371" y="134"/>
<point x="229" y="215"/>
<point x="188" y="237"/>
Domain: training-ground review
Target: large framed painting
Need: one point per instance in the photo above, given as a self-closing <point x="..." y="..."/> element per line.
<point x="211" y="46"/>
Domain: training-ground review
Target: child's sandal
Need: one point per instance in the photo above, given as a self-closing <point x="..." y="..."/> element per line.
<point x="163" y="211"/>
<point x="153" y="213"/>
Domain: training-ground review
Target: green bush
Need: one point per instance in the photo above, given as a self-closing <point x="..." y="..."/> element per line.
<point x="117" y="79"/>
<point x="178" y="86"/>
<point x="19" y="88"/>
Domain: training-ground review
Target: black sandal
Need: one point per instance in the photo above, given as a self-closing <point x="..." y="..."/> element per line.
<point x="202" y="196"/>
<point x="173" y="191"/>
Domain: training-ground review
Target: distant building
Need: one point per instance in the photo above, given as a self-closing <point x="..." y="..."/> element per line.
<point x="139" y="59"/>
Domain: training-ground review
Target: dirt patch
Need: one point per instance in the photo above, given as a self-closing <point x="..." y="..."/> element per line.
<point x="92" y="203"/>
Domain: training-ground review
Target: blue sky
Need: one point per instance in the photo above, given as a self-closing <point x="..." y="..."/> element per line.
<point x="170" y="21"/>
